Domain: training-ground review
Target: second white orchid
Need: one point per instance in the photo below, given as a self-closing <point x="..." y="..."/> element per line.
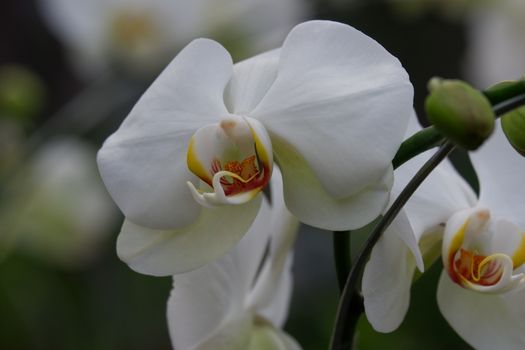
<point x="482" y="245"/>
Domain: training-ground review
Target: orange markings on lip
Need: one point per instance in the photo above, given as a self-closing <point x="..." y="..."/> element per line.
<point x="474" y="268"/>
<point x="247" y="170"/>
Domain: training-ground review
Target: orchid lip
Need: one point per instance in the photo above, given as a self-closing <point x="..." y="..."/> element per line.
<point x="471" y="266"/>
<point x="233" y="157"/>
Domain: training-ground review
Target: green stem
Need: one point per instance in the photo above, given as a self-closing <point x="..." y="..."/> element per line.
<point x="418" y="143"/>
<point x="504" y="92"/>
<point x="342" y="256"/>
<point x="504" y="98"/>
<point x="345" y="320"/>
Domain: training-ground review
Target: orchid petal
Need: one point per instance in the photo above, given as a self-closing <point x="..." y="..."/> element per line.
<point x="270" y="236"/>
<point x="289" y="342"/>
<point x="351" y="92"/>
<point x="168" y="252"/>
<point x="485" y="321"/>
<point x="235" y="334"/>
<point x="277" y="303"/>
<point x="387" y="279"/>
<point x="441" y="194"/>
<point x="202" y="310"/>
<point x="509" y="239"/>
<point x="222" y="286"/>
<point x="266" y="337"/>
<point x="271" y="292"/>
<point x="250" y="81"/>
<point x="143" y="162"/>
<point x="500" y="171"/>
<point x="307" y="199"/>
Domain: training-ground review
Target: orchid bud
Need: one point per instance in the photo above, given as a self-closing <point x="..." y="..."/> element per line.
<point x="513" y="125"/>
<point x="460" y="112"/>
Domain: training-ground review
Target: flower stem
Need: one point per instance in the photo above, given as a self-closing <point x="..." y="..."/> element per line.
<point x="342" y="256"/>
<point x="346" y="321"/>
<point x="504" y="92"/>
<point x="418" y="143"/>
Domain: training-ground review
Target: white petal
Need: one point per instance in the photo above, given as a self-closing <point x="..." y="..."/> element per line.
<point x="266" y="337"/>
<point x="485" y="321"/>
<point x="274" y="280"/>
<point x="250" y="81"/>
<point x="143" y="164"/>
<point x="290" y="343"/>
<point x="276" y="308"/>
<point x="168" y="252"/>
<point x="441" y="194"/>
<point x="387" y="279"/>
<point x="342" y="101"/>
<point x="222" y="287"/>
<point x="272" y="225"/>
<point x="500" y="172"/>
<point x="204" y="308"/>
<point x="307" y="199"/>
<point x="403" y="229"/>
<point x="509" y="239"/>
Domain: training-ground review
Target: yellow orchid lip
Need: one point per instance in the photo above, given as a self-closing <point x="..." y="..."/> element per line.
<point x="474" y="262"/>
<point x="233" y="157"/>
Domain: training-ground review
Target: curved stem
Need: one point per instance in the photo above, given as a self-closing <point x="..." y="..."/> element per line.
<point x="342" y="256"/>
<point x="418" y="143"/>
<point x="503" y="92"/>
<point x="345" y="320"/>
<point x="508" y="105"/>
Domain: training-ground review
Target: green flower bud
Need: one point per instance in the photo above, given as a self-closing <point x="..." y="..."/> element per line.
<point x="513" y="125"/>
<point x="460" y="112"/>
<point x="21" y="93"/>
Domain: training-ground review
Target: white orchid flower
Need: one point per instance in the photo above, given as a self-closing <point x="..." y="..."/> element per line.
<point x="241" y="300"/>
<point x="482" y="244"/>
<point x="57" y="208"/>
<point x="331" y="106"/>
<point x="144" y="34"/>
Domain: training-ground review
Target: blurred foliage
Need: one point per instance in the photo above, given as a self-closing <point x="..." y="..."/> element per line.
<point x="107" y="306"/>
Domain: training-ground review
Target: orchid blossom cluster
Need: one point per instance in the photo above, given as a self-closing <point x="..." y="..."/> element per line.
<point x="481" y="242"/>
<point x="217" y="162"/>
